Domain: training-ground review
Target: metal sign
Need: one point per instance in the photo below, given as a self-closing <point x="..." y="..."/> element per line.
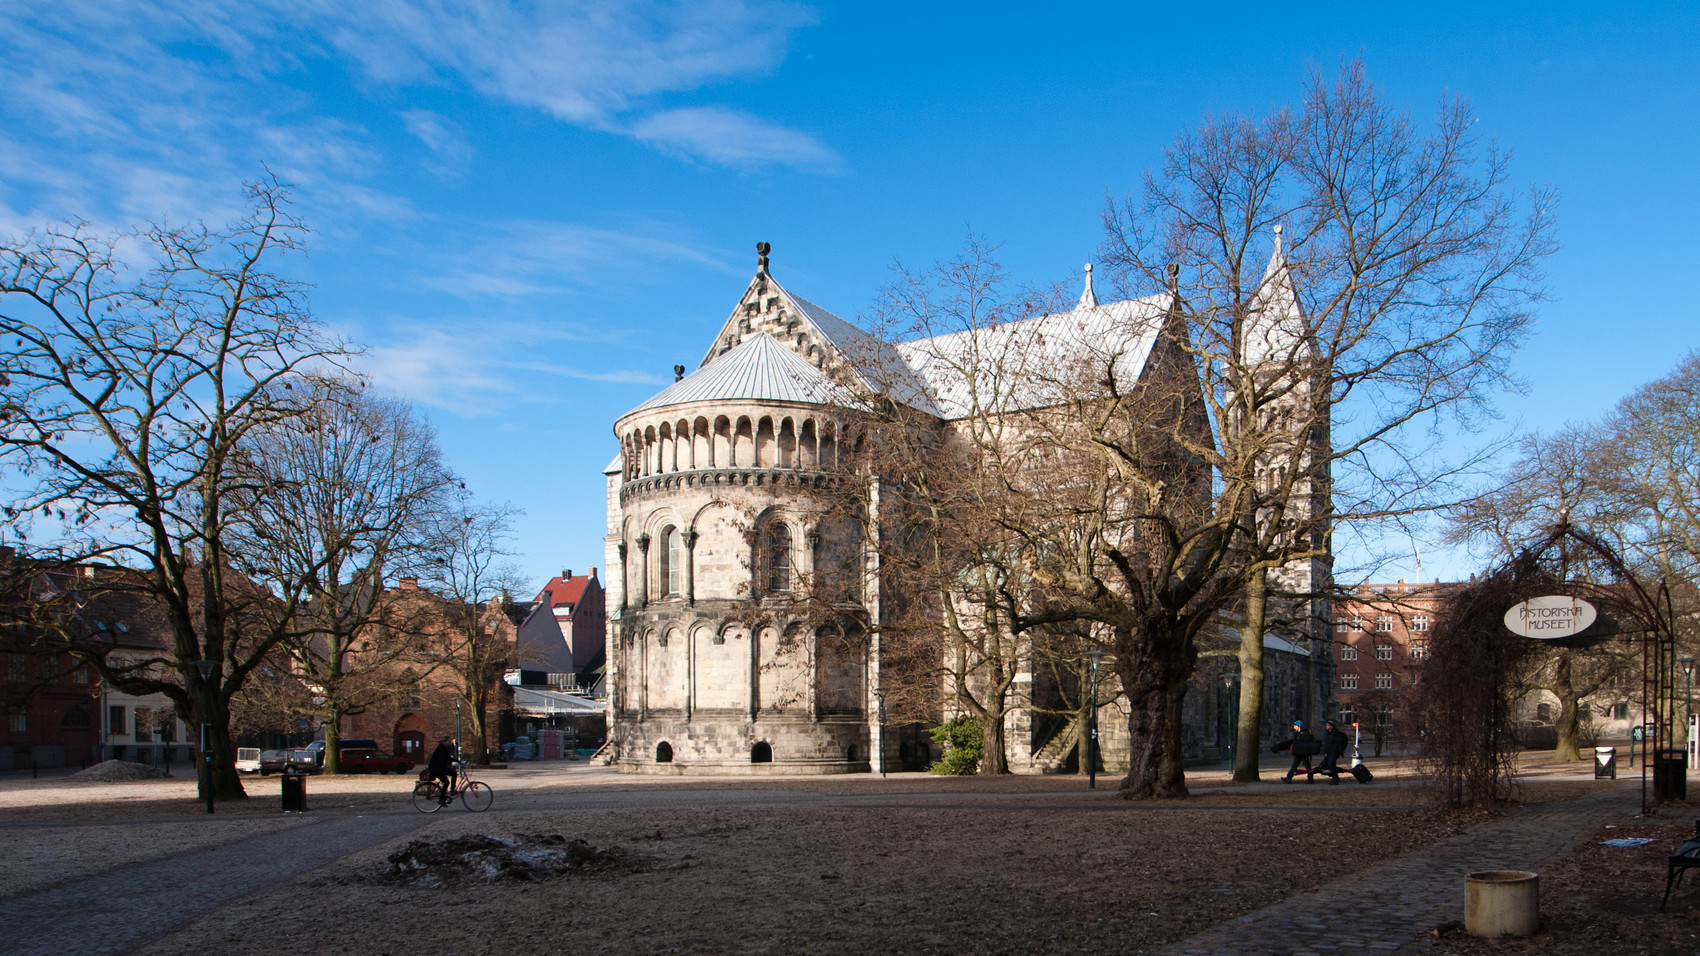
<point x="1636" y="732"/>
<point x="1550" y="617"/>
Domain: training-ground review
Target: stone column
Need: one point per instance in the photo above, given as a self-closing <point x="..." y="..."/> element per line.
<point x="690" y="540"/>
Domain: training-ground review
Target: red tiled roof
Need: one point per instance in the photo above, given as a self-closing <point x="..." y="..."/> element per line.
<point x="561" y="590"/>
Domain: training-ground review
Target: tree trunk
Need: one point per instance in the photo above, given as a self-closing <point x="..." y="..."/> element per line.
<point x="226" y="783"/>
<point x="1154" y="671"/>
<point x="1248" y="747"/>
<point x="333" y="742"/>
<point x="994" y="754"/>
<point x="1568" y="724"/>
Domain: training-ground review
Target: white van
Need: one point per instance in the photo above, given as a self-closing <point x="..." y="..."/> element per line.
<point x="247" y="760"/>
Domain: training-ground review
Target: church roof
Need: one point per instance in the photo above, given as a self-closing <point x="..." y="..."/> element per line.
<point x="758" y="369"/>
<point x="1034" y="363"/>
<point x="776" y="345"/>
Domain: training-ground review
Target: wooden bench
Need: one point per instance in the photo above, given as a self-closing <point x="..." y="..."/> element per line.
<point x="1678" y="866"/>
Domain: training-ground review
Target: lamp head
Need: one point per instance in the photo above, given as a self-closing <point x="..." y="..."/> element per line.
<point x="1687" y="666"/>
<point x="206" y="668"/>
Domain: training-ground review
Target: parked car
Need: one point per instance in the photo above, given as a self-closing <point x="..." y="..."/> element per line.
<point x="370" y="760"/>
<point x="311" y="758"/>
<point x="247" y="760"/>
<point x="274" y="761"/>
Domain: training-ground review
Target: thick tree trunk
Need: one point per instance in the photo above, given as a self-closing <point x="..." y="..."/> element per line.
<point x="226" y="783"/>
<point x="1154" y="671"/>
<point x="994" y="757"/>
<point x="1248" y="747"/>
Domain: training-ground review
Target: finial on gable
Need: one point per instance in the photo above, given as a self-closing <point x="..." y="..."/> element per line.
<point x="1088" y="298"/>
<point x="1277" y="240"/>
<point x="762" y="249"/>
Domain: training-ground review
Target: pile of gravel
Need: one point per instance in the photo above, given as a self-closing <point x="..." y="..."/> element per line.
<point x="109" y="771"/>
<point x="519" y="859"/>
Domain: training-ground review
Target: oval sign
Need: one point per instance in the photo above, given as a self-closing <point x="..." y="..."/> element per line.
<point x="1549" y="617"/>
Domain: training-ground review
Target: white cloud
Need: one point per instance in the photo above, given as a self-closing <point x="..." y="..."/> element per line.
<point x="731" y="138"/>
<point x="451" y="153"/>
<point x="479" y="374"/>
<point x="528" y="257"/>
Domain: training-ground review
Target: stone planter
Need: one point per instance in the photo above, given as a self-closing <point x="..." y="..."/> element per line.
<point x="1502" y="903"/>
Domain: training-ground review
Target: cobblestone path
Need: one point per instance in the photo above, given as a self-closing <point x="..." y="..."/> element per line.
<point x="130" y="906"/>
<point x="1393" y="907"/>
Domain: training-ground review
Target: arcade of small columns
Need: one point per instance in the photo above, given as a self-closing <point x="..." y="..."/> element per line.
<point x="808" y="442"/>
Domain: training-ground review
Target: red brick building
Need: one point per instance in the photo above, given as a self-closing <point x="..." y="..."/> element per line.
<point x="1380" y="640"/>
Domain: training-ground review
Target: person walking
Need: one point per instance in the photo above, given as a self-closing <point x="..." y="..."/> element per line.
<point x="1333" y="748"/>
<point x="1302" y="744"/>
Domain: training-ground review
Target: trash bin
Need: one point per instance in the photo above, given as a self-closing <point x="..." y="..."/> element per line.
<point x="1605" y="763"/>
<point x="1670" y="773"/>
<point x="294" y="793"/>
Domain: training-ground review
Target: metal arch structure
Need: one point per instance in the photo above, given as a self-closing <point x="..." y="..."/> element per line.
<point x="1634" y="613"/>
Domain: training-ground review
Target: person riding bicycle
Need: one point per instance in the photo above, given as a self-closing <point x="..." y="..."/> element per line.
<point x="441" y="767"/>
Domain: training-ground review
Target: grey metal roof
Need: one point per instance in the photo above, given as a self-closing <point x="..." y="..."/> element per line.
<point x="759" y="369"/>
<point x="1034" y="363"/>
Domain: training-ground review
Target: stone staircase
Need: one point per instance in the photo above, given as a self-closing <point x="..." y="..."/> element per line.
<point x="1053" y="756"/>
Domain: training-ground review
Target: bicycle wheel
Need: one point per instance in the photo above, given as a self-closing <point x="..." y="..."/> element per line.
<point x="476" y="796"/>
<point x="427" y="796"/>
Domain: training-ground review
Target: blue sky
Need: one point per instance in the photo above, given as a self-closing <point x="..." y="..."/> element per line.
<point x="530" y="212"/>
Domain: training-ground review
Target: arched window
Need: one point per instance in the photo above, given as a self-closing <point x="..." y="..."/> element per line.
<point x="761" y="753"/>
<point x="776" y="554"/>
<point x="670" y="564"/>
<point x="664" y="752"/>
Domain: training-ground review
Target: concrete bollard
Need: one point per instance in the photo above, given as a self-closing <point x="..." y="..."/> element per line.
<point x="1502" y="903"/>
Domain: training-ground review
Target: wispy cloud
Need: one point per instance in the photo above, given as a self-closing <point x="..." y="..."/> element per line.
<point x="731" y="138"/>
<point x="451" y="154"/>
<point x="529" y="257"/>
<point x="481" y="375"/>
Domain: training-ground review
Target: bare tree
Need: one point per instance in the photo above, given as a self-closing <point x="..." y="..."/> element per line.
<point x="1336" y="368"/>
<point x="342" y="500"/>
<point x="125" y="393"/>
<point x="469" y="571"/>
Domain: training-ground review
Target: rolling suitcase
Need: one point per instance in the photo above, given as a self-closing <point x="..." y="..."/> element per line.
<point x="1362" y="773"/>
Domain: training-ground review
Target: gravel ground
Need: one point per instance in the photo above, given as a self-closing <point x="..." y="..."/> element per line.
<point x="909" y="864"/>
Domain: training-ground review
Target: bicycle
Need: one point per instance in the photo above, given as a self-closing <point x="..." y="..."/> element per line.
<point x="474" y="795"/>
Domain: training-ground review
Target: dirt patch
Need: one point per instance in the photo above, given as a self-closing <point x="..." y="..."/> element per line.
<point x="114" y="771"/>
<point x="1604" y="899"/>
<point x="524" y="858"/>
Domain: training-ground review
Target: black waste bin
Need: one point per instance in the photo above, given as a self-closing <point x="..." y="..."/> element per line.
<point x="294" y="793"/>
<point x="1605" y="763"/>
<point x="1670" y="773"/>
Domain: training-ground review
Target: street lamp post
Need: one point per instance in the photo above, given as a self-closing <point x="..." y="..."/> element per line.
<point x="206" y="668"/>
<point x="880" y="696"/>
<point x="1230" y="681"/>
<point x="1687" y="695"/>
<point x="1091" y="748"/>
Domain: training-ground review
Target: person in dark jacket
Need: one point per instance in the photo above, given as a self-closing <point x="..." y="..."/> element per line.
<point x="1333" y="748"/>
<point x="441" y="766"/>
<point x="1301" y="754"/>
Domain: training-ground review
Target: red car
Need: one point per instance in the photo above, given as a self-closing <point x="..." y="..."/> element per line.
<point x="367" y="760"/>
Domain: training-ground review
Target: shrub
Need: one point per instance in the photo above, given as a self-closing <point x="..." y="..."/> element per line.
<point x="963" y="742"/>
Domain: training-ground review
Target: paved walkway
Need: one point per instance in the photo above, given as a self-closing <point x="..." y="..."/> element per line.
<point x="1393" y="907"/>
<point x="130" y="906"/>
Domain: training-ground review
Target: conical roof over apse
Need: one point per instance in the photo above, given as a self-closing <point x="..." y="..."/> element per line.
<point x="758" y="369"/>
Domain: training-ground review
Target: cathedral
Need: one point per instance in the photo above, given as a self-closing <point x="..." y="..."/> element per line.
<point x="707" y="521"/>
